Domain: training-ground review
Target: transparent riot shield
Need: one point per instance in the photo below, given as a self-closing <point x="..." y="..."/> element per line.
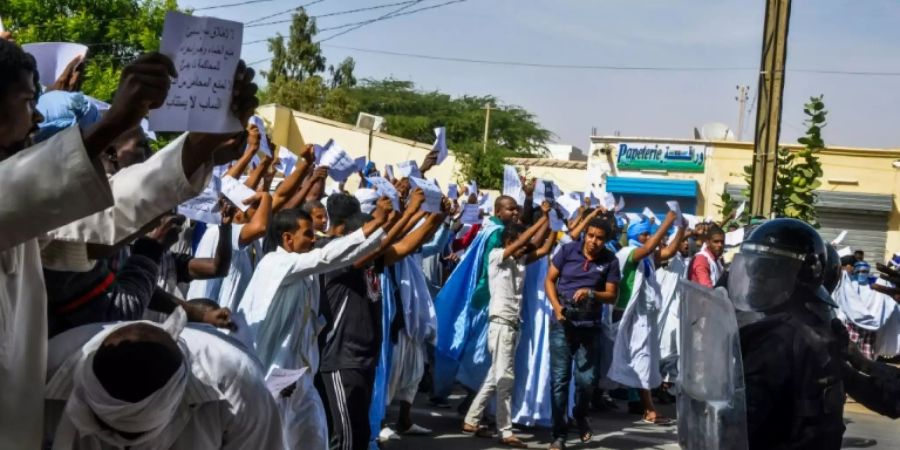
<point x="711" y="402"/>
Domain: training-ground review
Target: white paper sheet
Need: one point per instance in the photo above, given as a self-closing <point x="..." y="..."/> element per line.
<point x="512" y="185"/>
<point x="570" y="203"/>
<point x="734" y="238"/>
<point x="545" y="190"/>
<point x="408" y="169"/>
<point x="452" y="191"/>
<point x="471" y="214"/>
<point x="319" y="150"/>
<point x="621" y="204"/>
<point x="388" y="171"/>
<point x="440" y="144"/>
<point x="53" y="57"/>
<point x="840" y="238"/>
<point x="633" y="218"/>
<point x="1" y="25"/>
<point x="360" y="164"/>
<point x="649" y="214"/>
<point x="236" y="191"/>
<point x="263" y="140"/>
<point x="473" y="187"/>
<point x="287" y="160"/>
<point x="609" y="202"/>
<point x="340" y="164"/>
<point x="676" y="208"/>
<point x="692" y="220"/>
<point x="432" y="192"/>
<point x="846" y="251"/>
<point x="740" y="211"/>
<point x="204" y="207"/>
<point x="205" y="51"/>
<point x="385" y="189"/>
<point x="279" y="379"/>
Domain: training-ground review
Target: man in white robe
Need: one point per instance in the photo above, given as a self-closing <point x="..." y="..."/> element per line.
<point x="280" y="308"/>
<point x="48" y="185"/>
<point x="97" y="394"/>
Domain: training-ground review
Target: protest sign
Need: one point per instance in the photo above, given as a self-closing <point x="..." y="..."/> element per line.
<point x="340" y="164"/>
<point x="432" y="192"/>
<point x="384" y="188"/>
<point x="205" y="51"/>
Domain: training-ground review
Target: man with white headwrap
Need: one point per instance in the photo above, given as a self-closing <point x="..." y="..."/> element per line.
<point x="143" y="385"/>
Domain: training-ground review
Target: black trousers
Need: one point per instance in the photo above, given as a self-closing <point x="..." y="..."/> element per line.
<point x="347" y="395"/>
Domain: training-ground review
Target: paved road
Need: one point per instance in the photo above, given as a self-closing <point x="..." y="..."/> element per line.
<point x="620" y="431"/>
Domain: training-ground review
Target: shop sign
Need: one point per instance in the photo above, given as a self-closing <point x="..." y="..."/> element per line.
<point x="651" y="156"/>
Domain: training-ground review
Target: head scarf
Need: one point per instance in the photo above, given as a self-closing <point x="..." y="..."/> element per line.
<point x="635" y="230"/>
<point x="63" y="109"/>
<point x="90" y="401"/>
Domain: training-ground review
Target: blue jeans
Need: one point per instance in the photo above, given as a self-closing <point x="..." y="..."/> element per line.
<point x="569" y="344"/>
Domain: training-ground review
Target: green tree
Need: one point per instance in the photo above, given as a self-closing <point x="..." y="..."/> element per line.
<point x="797" y="174"/>
<point x="297" y="74"/>
<point x="115" y="31"/>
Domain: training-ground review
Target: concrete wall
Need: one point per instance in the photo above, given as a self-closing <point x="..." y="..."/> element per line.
<point x="293" y="130"/>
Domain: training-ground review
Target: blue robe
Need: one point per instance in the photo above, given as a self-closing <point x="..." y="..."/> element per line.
<point x="532" y="398"/>
<point x="461" y="347"/>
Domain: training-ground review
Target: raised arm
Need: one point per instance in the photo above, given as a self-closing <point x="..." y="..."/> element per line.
<point x="430" y="161"/>
<point x="396" y="230"/>
<point x="237" y="169"/>
<point x="525" y="238"/>
<point x="576" y="231"/>
<point x="543" y="250"/>
<point x="256" y="174"/>
<point x="294" y="181"/>
<point x="256" y="228"/>
<point x="218" y="265"/>
<point x="670" y="250"/>
<point x="344" y="250"/>
<point x="413" y="240"/>
<point x="650" y="246"/>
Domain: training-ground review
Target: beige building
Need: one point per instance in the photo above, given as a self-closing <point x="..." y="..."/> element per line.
<point x="857" y="194"/>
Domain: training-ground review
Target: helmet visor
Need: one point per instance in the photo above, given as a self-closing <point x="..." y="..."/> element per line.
<point x="761" y="281"/>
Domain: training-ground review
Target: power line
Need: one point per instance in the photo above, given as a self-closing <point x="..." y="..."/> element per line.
<point x="609" y="67"/>
<point x="337" y="13"/>
<point x="249" y="2"/>
<point x="260" y="19"/>
<point x="391" y="15"/>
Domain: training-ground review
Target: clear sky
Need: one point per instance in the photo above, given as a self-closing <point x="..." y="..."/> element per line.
<point x="841" y="35"/>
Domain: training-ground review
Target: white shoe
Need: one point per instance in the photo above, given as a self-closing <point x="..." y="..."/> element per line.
<point x="387" y="434"/>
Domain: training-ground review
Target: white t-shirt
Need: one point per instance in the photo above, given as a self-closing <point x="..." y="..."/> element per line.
<point x="505" y="280"/>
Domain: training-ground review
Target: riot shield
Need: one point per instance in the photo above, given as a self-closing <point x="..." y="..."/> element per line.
<point x="711" y="402"/>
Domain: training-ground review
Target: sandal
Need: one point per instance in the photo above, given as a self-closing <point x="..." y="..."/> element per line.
<point x="658" y="420"/>
<point x="513" y="441"/>
<point x="585" y="431"/>
<point x="477" y="430"/>
<point x="558" y="444"/>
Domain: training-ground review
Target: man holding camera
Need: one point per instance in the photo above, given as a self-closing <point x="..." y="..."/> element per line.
<point x="582" y="276"/>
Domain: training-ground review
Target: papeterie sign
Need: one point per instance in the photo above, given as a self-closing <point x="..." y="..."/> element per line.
<point x="650" y="156"/>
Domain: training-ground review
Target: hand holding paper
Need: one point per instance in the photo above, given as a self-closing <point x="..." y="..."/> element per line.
<point x="676" y="208"/>
<point x="236" y="192"/>
<point x="649" y="214"/>
<point x="432" y="194"/>
<point x="440" y="144"/>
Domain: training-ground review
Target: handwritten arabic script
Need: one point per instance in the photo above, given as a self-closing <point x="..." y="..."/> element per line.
<point x="205" y="51"/>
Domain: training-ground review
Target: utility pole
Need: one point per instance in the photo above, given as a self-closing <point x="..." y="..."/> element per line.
<point x="768" y="114"/>
<point x="741" y="98"/>
<point x="487" y="125"/>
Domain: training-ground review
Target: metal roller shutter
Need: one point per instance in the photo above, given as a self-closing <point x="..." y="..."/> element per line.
<point x="865" y="231"/>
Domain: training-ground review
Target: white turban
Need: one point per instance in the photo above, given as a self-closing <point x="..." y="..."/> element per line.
<point x="90" y="400"/>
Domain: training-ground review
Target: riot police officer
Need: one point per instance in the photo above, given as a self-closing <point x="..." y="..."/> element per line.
<point x="792" y="358"/>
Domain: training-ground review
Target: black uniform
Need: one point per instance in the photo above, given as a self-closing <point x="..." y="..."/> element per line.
<point x="792" y="373"/>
